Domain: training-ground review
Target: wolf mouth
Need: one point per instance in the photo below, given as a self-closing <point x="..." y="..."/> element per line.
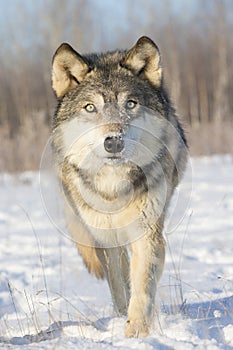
<point x="115" y="157"/>
<point x="115" y="160"/>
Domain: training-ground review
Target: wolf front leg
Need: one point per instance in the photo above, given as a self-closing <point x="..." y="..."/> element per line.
<point x="147" y="262"/>
<point x="116" y="269"/>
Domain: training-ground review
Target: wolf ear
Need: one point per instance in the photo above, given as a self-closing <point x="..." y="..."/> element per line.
<point x="69" y="69"/>
<point x="144" y="60"/>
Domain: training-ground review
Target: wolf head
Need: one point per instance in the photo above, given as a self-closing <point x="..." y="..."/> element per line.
<point x="102" y="102"/>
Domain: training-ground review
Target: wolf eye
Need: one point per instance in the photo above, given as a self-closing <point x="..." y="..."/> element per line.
<point x="90" y="108"/>
<point x="131" y="104"/>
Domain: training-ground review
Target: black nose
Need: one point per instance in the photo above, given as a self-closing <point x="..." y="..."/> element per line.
<point x="114" y="144"/>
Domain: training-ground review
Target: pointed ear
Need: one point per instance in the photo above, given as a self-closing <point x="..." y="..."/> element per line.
<point x="69" y="69"/>
<point x="144" y="60"/>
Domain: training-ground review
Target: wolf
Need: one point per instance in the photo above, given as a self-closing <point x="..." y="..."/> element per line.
<point x="119" y="153"/>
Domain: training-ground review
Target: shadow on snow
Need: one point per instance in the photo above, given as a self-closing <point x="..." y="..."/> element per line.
<point x="209" y="318"/>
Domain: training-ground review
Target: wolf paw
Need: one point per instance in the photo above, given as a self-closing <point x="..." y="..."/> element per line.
<point x="136" y="329"/>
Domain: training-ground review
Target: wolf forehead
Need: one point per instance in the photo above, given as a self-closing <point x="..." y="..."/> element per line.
<point x="137" y="71"/>
<point x="108" y="77"/>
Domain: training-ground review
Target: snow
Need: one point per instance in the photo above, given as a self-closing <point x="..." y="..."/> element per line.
<point x="49" y="301"/>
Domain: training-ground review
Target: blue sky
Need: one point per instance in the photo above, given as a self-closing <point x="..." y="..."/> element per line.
<point x="113" y="14"/>
<point x="21" y="20"/>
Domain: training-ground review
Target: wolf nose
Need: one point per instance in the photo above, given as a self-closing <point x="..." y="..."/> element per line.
<point x="114" y="144"/>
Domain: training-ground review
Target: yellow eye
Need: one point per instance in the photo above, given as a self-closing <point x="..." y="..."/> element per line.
<point x="131" y="104"/>
<point x="90" y="108"/>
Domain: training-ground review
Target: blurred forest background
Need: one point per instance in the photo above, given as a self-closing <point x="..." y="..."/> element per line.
<point x="195" y="40"/>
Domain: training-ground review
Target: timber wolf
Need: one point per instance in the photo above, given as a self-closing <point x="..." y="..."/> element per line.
<point x="119" y="151"/>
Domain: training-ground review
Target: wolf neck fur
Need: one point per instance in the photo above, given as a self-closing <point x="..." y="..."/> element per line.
<point x="118" y="182"/>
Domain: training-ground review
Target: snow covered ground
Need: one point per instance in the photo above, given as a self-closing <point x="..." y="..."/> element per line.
<point x="49" y="301"/>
